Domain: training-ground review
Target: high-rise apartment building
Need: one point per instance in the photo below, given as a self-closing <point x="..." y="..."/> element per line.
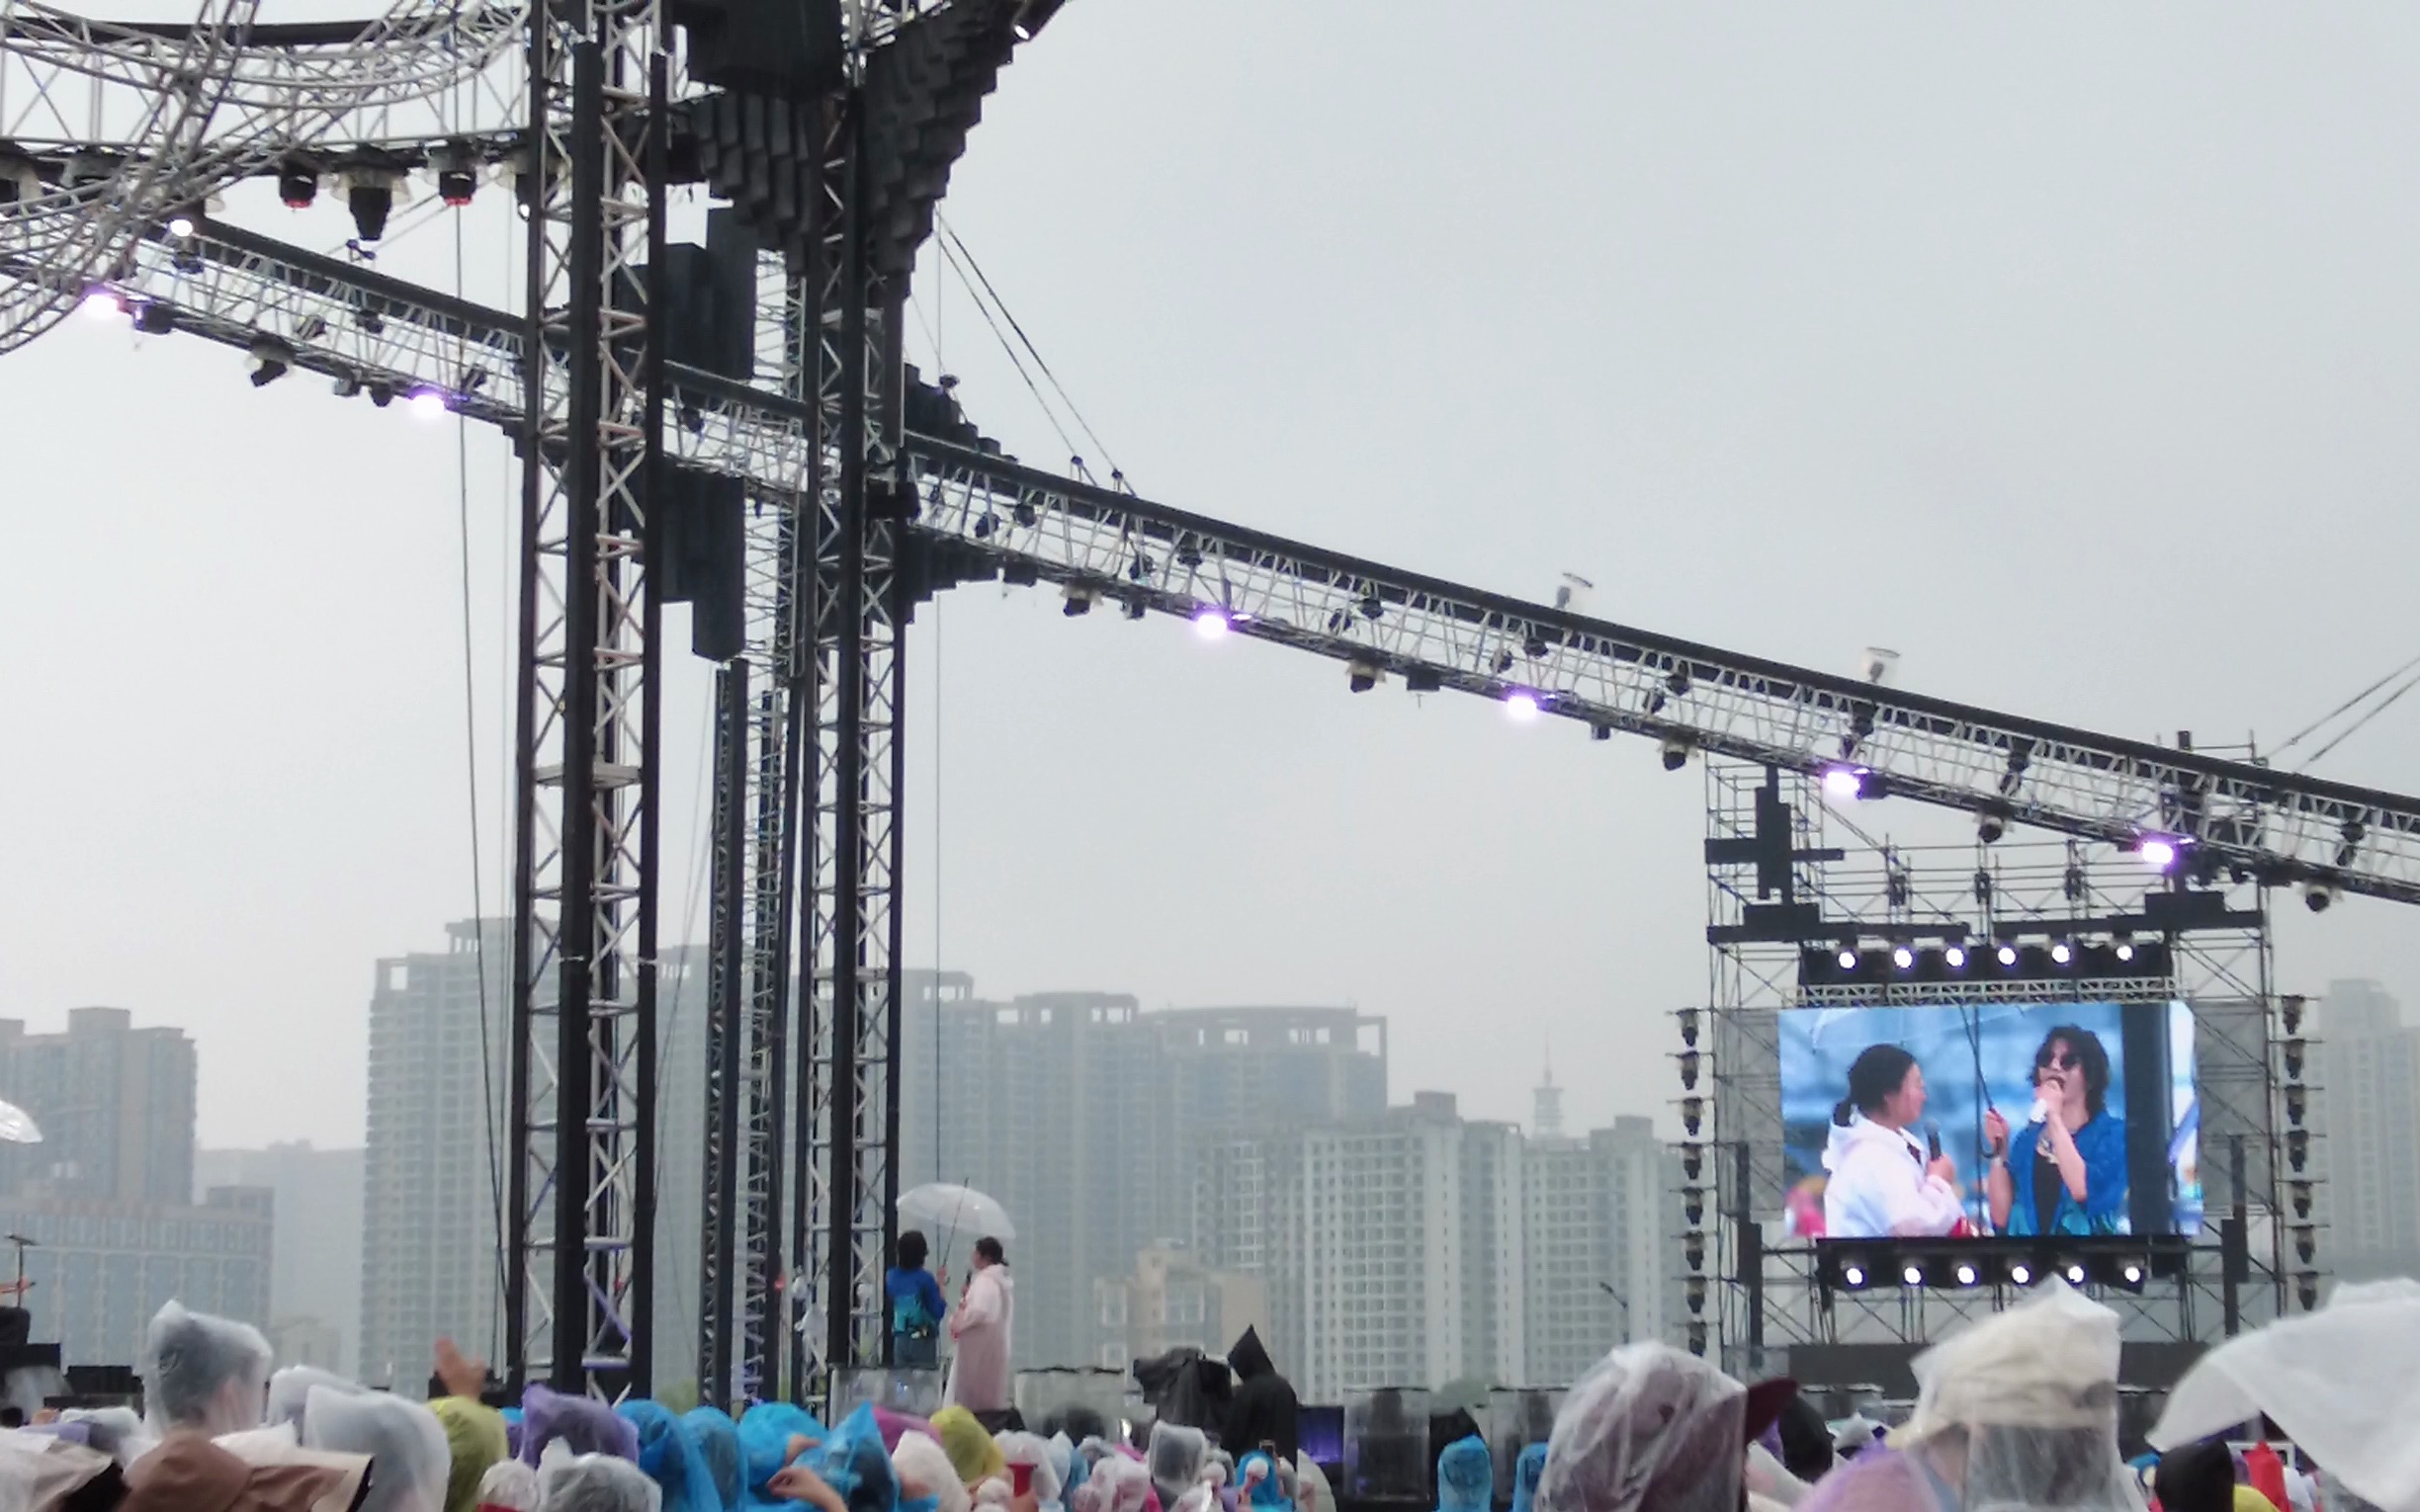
<point x="1173" y="1301"/>
<point x="439" y="1143"/>
<point x="1600" y="1256"/>
<point x="1085" y="1116"/>
<point x="2367" y="1066"/>
<point x="114" y="1105"/>
<point x="315" y="1253"/>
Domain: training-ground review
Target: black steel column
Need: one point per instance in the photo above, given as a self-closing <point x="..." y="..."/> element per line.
<point x="724" y="1030"/>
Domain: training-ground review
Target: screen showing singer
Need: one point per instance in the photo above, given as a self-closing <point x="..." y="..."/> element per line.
<point x="1945" y="1121"/>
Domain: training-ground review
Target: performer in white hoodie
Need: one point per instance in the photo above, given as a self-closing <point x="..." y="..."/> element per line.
<point x="1880" y="1185"/>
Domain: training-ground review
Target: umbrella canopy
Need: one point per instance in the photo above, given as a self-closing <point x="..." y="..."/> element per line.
<point x="952" y="1210"/>
<point x="17" y="1125"/>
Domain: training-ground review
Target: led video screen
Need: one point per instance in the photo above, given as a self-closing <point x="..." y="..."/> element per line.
<point x="1946" y="1121"/>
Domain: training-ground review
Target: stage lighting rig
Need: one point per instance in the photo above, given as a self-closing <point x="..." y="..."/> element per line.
<point x="2317" y="896"/>
<point x="1990" y="825"/>
<point x="155" y="319"/>
<point x="269" y="359"/>
<point x="1078" y="600"/>
<point x="1689" y="1027"/>
<point x="456" y="168"/>
<point x="370" y="190"/>
<point x="297" y="183"/>
<point x="2289" y="1008"/>
<point x="1676" y="752"/>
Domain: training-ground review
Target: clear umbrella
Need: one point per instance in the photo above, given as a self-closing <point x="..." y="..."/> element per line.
<point x="951" y="1210"/>
<point x="17" y="1125"/>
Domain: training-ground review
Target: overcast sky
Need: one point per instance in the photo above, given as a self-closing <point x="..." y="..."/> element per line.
<point x="2075" y="352"/>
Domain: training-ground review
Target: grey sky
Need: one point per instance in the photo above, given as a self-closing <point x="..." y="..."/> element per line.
<point x="2073" y="352"/>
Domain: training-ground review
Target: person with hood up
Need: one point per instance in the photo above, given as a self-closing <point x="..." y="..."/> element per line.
<point x="410" y="1463"/>
<point x="979" y="1379"/>
<point x="289" y="1387"/>
<point x="669" y="1457"/>
<point x="1651" y="1429"/>
<point x="1880" y="1185"/>
<point x="1263" y="1412"/>
<point x="595" y="1483"/>
<point x="972" y="1451"/>
<point x="1526" y="1472"/>
<point x="1265" y="1487"/>
<point x="2338" y="1382"/>
<point x="925" y="1469"/>
<point x="2015" y="1413"/>
<point x="714" y="1439"/>
<point x="190" y="1474"/>
<point x="1465" y="1476"/>
<point x="202" y="1374"/>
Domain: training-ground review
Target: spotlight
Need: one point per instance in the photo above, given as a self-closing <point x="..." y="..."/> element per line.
<point x="20" y="180"/>
<point x="1694" y="1292"/>
<point x="1362" y="676"/>
<point x="1848" y="961"/>
<point x="456" y="174"/>
<point x="1210" y="623"/>
<point x="1136" y="608"/>
<point x="181" y="226"/>
<point x="428" y="404"/>
<point x="2157" y="853"/>
<point x="2075" y="1275"/>
<point x="382" y="395"/>
<point x="1078" y="601"/>
<point x="1852" y="1276"/>
<point x="1521" y="706"/>
<point x="1692" y="1160"/>
<point x="1689" y="1027"/>
<point x="1692" y="1115"/>
<point x="1025" y="514"/>
<point x="1966" y="1273"/>
<point x="2290" y="1006"/>
<point x="2006" y="955"/>
<point x="1033" y="16"/>
<point x="156" y="319"/>
<point x="1954" y="958"/>
<point x="1422" y="680"/>
<point x="2124" y="950"/>
<point x="2061" y="951"/>
<point x="346" y="385"/>
<point x="1676" y="752"/>
<point x="2290" y="1048"/>
<point x="298" y="184"/>
<point x="1904" y="959"/>
<point x="270" y="359"/>
<point x="103" y="304"/>
<point x="1913" y="1275"/>
<point x="2131" y="1273"/>
<point x="1842" y="783"/>
<point x="2317" y="895"/>
<point x="2297" y="1150"/>
<point x="2020" y="1274"/>
<point x="1689" y="1071"/>
<point x="1989" y="827"/>
<point x="369" y="194"/>
<point x="2297" y="1104"/>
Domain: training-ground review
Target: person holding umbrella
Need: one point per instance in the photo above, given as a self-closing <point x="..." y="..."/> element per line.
<point x="987" y="1310"/>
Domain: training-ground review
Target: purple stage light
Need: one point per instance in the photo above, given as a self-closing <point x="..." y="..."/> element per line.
<point x="103" y="305"/>
<point x="428" y="403"/>
<point x="2158" y="854"/>
<point x="1521" y="706"/>
<point x="1210" y="623"/>
<point x="1843" y="782"/>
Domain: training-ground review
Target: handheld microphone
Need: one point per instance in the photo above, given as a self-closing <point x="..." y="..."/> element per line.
<point x="1933" y="1139"/>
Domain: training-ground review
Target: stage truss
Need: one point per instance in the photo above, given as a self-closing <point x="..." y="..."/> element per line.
<point x="1786" y="872"/>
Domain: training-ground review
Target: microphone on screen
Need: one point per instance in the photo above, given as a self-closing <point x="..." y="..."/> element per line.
<point x="1933" y="1139"/>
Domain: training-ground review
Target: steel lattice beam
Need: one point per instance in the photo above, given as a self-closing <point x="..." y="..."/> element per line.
<point x="2280" y="826"/>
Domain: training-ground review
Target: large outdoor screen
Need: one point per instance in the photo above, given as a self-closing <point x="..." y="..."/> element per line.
<point x="2041" y="1120"/>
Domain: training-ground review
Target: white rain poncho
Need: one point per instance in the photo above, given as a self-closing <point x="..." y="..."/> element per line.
<point x="202" y="1372"/>
<point x="509" y="1484"/>
<point x="2338" y="1382"/>
<point x="408" y="1457"/>
<point x="2030" y="1396"/>
<point x="1177" y="1457"/>
<point x="596" y="1484"/>
<point x="118" y="1432"/>
<point x="290" y="1388"/>
<point x="1033" y="1451"/>
<point x="1311" y="1492"/>
<point x="1647" y="1428"/>
<point x="919" y="1461"/>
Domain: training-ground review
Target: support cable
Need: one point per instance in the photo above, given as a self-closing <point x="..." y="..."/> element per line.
<point x="950" y="241"/>
<point x="984" y="310"/>
<point x="2304" y="733"/>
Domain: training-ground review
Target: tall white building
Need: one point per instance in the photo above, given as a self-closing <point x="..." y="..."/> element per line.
<point x="439" y="1143"/>
<point x="2367" y="1067"/>
<point x="1600" y="1256"/>
<point x="315" y="1248"/>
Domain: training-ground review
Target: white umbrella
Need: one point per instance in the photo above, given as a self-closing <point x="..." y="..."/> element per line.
<point x="955" y="1210"/>
<point x="17" y="1125"/>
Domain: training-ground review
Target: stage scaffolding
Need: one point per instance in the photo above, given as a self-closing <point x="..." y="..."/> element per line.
<point x="1789" y="870"/>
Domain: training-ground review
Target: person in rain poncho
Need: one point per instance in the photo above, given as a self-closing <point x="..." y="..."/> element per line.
<point x="1650" y="1429"/>
<point x="1032" y="1450"/>
<point x="1465" y="1476"/>
<point x="189" y="1473"/>
<point x="290" y="1388"/>
<point x="972" y="1452"/>
<point x="2015" y="1413"/>
<point x="1879" y="1183"/>
<point x="669" y="1457"/>
<point x="714" y="1439"/>
<point x="1175" y="1456"/>
<point x="1526" y="1472"/>
<point x="596" y="1484"/>
<point x="202" y="1374"/>
<point x="474" y="1434"/>
<point x="1263" y="1412"/>
<point x="979" y="1377"/>
<point x="2341" y="1382"/>
<point x="583" y="1426"/>
<point x="410" y="1463"/>
<point x="1265" y="1487"/>
<point x="925" y="1469"/>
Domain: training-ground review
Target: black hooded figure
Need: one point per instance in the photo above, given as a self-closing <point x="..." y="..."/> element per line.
<point x="1264" y="1410"/>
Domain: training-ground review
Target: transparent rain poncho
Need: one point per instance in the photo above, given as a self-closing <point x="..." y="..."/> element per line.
<point x="1312" y="1492"/>
<point x="2340" y="1382"/>
<point x="924" y="1465"/>
<point x="1032" y="1450"/>
<point x="1177" y="1457"/>
<point x="409" y="1461"/>
<point x="1647" y="1428"/>
<point x="510" y="1485"/>
<point x="202" y="1372"/>
<point x="596" y="1484"/>
<point x="290" y="1388"/>
<point x="2020" y="1409"/>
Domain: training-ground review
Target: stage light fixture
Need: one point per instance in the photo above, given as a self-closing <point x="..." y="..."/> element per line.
<point x="2297" y="1150"/>
<point x="1852" y="1276"/>
<point x="2305" y="1242"/>
<point x="1033" y="16"/>
<point x="1521" y="706"/>
<point x="2291" y="1008"/>
<point x="181" y="226"/>
<point x="103" y="304"/>
<point x="2291" y="1049"/>
<point x="369" y="194"/>
<point x="1362" y="676"/>
<point x="1913" y="1275"/>
<point x="2158" y="852"/>
<point x="2131" y="1273"/>
<point x="1903" y="958"/>
<point x="20" y="180"/>
<point x="2006" y="955"/>
<point x="1689" y="1071"/>
<point x="1695" y="1288"/>
<point x="1210" y="623"/>
<point x="457" y="173"/>
<point x="2306" y="1291"/>
<point x="1692" y="1251"/>
<point x="2294" y="1105"/>
<point x="428" y="403"/>
<point x="1966" y="1274"/>
<point x="345" y="385"/>
<point x="1422" y="680"/>
<point x="1954" y="958"/>
<point x="1848" y="961"/>
<point x="1692" y="1160"/>
<point x="2075" y="1275"/>
<point x="1679" y="681"/>
<point x="1078" y="600"/>
<point x="1841" y="783"/>
<point x="154" y="319"/>
<point x="1989" y="827"/>
<point x="2302" y="1193"/>
<point x="1024" y="513"/>
<point x="1676" y="752"/>
<point x="2020" y="1274"/>
<point x="269" y="358"/>
<point x="2123" y="950"/>
<point x="1136" y="609"/>
<point x="1600" y="730"/>
<point x="1692" y="1206"/>
<point x="2061" y="951"/>
<point x="1689" y="1027"/>
<point x="2316" y="897"/>
<point x="298" y="184"/>
<point x="380" y="394"/>
<point x="985" y="524"/>
<point x="1693" y="1115"/>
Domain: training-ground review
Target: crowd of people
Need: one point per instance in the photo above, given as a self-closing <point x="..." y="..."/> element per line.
<point x="2017" y="1412"/>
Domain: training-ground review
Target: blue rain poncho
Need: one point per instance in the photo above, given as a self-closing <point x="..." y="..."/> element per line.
<point x="1466" y="1475"/>
<point x="1526" y="1472"/>
<point x="669" y="1458"/>
<point x="765" y="1431"/>
<point x="854" y="1464"/>
<point x="714" y="1439"/>
<point x="1264" y="1488"/>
